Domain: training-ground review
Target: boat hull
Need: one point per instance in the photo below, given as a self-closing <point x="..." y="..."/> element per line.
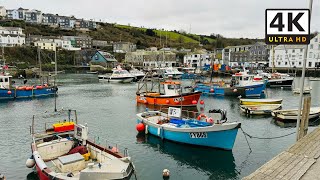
<point x="246" y="91"/>
<point x="280" y="82"/>
<point x="258" y="101"/>
<point x="179" y="100"/>
<point x="254" y="110"/>
<point x="116" y="80"/>
<point x="27" y="93"/>
<point x="223" y="139"/>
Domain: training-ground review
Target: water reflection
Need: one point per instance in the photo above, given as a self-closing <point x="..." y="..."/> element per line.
<point x="217" y="164"/>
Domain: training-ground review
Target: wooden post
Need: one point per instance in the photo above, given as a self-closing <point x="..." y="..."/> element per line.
<point x="303" y="128"/>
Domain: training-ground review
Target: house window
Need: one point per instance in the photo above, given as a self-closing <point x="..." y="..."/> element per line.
<point x="310" y="64"/>
<point x="316" y="39"/>
<point x="286" y="63"/>
<point x="311" y="46"/>
<point x="279" y="63"/>
<point x="292" y="50"/>
<point x="292" y="63"/>
<point x="301" y="50"/>
<point x="300" y="63"/>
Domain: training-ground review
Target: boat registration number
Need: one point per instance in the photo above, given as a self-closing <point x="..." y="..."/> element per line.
<point x="178" y="99"/>
<point x="198" y="135"/>
<point x="142" y="98"/>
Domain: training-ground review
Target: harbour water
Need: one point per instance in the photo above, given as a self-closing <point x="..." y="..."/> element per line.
<point x="110" y="111"/>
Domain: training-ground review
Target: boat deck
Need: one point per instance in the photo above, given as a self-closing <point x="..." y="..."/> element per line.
<point x="300" y="161"/>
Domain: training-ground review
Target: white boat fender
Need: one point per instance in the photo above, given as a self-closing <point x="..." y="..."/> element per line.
<point x="40" y="163"/>
<point x="159" y="131"/>
<point x="146" y="130"/>
<point x="30" y="162"/>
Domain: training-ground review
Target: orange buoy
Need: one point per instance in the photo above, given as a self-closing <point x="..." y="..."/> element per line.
<point x="212" y="90"/>
<point x="167" y="101"/>
<point x="194" y="102"/>
<point x="114" y="150"/>
<point x="38" y="87"/>
<point x="202" y="102"/>
<point x="140" y="127"/>
<point x="235" y="90"/>
<point x="9" y="92"/>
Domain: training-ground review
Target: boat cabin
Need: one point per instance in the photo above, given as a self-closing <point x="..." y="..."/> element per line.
<point x="5" y="82"/>
<point x="242" y="79"/>
<point x="171" y="88"/>
<point x="120" y="72"/>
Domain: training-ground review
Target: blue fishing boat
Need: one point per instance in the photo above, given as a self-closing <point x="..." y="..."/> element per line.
<point x="219" y="134"/>
<point x="7" y="91"/>
<point x="242" y="84"/>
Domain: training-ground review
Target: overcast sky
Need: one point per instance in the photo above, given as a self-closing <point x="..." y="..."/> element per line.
<point x="231" y="18"/>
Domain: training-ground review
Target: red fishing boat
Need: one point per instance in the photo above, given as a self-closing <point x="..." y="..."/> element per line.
<point x="172" y="96"/>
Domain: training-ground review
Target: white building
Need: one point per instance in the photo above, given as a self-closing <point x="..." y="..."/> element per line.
<point x="11" y="36"/>
<point x="293" y="55"/>
<point x="196" y="60"/>
<point x="16" y="13"/>
<point x="53" y="44"/>
<point x="151" y="58"/>
<point x="3" y="11"/>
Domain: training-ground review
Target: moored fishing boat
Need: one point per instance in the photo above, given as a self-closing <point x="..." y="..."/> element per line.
<point x="8" y="91"/>
<point x="292" y="114"/>
<point x="241" y="84"/>
<point x="260" y="101"/>
<point x="278" y="79"/>
<point x="118" y="76"/>
<point x="260" y="109"/>
<point x="137" y="74"/>
<point x="63" y="151"/>
<point x="172" y="96"/>
<point x="216" y="134"/>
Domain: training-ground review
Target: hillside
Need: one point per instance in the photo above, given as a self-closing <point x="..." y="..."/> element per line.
<point x="143" y="37"/>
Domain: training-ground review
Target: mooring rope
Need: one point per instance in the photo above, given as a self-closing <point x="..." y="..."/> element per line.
<point x="276" y="137"/>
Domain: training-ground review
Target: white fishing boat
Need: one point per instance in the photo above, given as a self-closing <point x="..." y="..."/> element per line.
<point x="292" y="114"/>
<point x="118" y="76"/>
<point x="314" y="78"/>
<point x="137" y="74"/>
<point x="260" y="109"/>
<point x="63" y="151"/>
<point x="306" y="90"/>
<point x="260" y="101"/>
<point x="169" y="72"/>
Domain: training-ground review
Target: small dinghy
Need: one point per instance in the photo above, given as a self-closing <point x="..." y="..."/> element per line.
<point x="260" y="101"/>
<point x="292" y="114"/>
<point x="260" y="109"/>
<point x="62" y="151"/>
<point x="209" y="133"/>
<point x="306" y="90"/>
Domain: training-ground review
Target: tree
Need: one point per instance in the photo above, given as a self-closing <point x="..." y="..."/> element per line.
<point x="150" y="32"/>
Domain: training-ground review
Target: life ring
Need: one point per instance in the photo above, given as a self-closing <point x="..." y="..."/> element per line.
<point x="202" y="116"/>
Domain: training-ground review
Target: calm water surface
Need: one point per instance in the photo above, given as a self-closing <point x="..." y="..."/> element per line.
<point x="110" y="111"/>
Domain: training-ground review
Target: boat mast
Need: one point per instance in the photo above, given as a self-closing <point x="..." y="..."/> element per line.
<point x="303" y="78"/>
<point x="39" y="58"/>
<point x="55" y="62"/>
<point x="273" y="66"/>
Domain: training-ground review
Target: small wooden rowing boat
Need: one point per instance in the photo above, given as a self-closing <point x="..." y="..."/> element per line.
<point x="260" y="101"/>
<point x="292" y="114"/>
<point x="260" y="109"/>
<point x="306" y="90"/>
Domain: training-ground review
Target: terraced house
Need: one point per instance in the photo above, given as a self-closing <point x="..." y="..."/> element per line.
<point x="11" y="36"/>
